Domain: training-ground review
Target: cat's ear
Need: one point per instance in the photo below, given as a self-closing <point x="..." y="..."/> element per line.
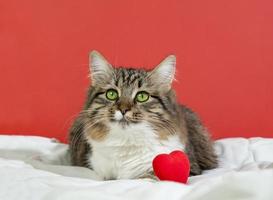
<point x="163" y="74"/>
<point x="101" y="70"/>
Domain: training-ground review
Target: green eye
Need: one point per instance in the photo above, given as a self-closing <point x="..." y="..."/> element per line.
<point x="112" y="94"/>
<point x="142" y="96"/>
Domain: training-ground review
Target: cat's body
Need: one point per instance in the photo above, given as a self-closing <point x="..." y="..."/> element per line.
<point x="131" y="116"/>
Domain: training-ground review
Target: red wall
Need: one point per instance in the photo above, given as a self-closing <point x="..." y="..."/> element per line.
<point x="224" y="51"/>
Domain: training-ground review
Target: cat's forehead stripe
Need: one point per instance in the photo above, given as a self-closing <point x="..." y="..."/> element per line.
<point x="129" y="76"/>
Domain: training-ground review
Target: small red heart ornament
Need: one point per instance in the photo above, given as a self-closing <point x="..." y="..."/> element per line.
<point x="172" y="167"/>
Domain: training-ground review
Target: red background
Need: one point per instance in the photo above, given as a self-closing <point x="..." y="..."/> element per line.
<point x="224" y="51"/>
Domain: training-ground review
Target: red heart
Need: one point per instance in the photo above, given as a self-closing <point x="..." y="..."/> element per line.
<point x="172" y="167"/>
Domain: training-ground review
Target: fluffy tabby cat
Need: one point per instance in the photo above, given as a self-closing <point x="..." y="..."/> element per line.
<point x="130" y="116"/>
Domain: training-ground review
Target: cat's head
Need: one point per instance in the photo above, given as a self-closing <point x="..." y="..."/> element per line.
<point x="129" y="96"/>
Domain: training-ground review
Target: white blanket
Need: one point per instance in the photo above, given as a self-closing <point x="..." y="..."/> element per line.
<point x="38" y="168"/>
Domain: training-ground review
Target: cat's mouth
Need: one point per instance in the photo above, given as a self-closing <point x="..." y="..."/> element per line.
<point x="124" y="121"/>
<point x="121" y="118"/>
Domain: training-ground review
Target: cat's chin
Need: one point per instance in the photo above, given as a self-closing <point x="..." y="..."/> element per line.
<point x="122" y="122"/>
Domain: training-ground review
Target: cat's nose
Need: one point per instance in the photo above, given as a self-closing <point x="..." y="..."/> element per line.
<point x="124" y="110"/>
<point x="124" y="106"/>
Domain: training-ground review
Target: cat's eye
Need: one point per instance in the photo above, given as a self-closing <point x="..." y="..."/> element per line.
<point x="142" y="96"/>
<point x="111" y="94"/>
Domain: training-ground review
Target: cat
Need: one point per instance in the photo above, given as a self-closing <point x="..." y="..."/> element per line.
<point x="132" y="115"/>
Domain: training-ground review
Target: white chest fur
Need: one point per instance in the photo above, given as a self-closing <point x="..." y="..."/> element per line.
<point x="128" y="152"/>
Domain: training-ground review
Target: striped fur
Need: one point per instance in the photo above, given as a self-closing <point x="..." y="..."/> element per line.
<point x="162" y="112"/>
